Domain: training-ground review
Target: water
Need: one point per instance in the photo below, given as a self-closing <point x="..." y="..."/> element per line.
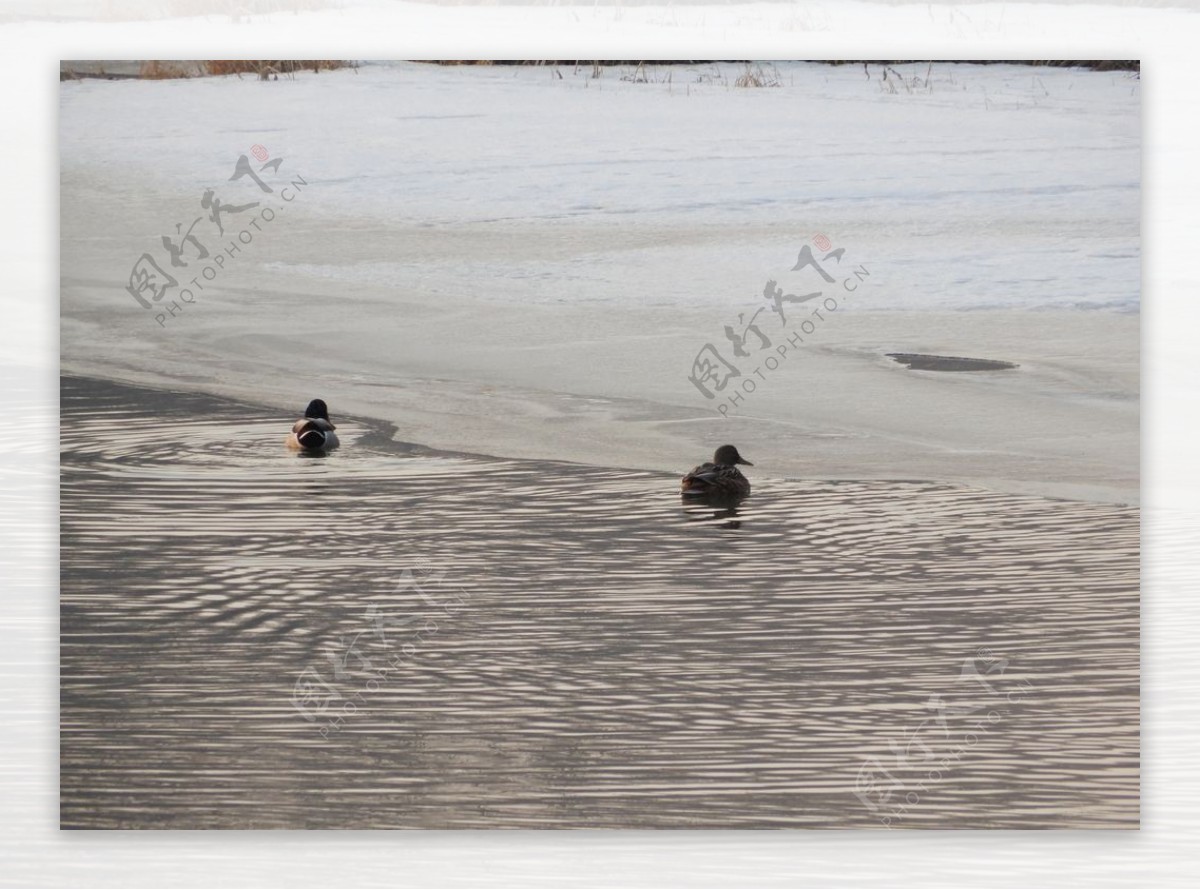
<point x="390" y="637"/>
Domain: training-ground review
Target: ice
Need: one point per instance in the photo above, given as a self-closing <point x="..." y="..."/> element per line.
<point x="525" y="261"/>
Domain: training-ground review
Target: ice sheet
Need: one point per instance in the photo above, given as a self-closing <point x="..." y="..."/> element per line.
<point x="526" y="261"/>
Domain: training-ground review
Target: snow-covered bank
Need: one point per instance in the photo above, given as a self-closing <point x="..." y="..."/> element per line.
<point x="527" y="263"/>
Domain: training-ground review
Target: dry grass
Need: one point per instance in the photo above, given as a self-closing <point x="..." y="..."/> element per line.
<point x="158" y="70"/>
<point x="265" y="69"/>
<point x="637" y="75"/>
<point x="755" y="76"/>
<point x="910" y="84"/>
<point x="1094" y="64"/>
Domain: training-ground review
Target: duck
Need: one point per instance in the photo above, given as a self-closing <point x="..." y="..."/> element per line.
<point x="314" y="431"/>
<point x="720" y="477"/>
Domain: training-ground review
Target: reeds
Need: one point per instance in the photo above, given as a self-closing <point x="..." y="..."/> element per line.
<point x="270" y="69"/>
<point x="756" y="76"/>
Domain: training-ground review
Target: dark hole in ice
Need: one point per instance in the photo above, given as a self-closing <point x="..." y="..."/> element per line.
<point x="919" y="362"/>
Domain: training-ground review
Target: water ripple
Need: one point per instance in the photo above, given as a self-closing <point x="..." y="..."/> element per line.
<point x="392" y="638"/>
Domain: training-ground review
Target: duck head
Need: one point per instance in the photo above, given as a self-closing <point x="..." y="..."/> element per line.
<point x="727" y="456"/>
<point x="316" y="408"/>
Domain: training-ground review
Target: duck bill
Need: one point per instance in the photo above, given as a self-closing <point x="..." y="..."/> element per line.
<point x="742" y="460"/>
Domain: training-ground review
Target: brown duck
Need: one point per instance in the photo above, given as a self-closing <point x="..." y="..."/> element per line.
<point x="719" y="477"/>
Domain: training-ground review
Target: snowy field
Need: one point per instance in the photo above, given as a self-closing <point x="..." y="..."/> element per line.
<point x="528" y="262"/>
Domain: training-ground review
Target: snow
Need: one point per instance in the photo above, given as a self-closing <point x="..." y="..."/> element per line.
<point x="526" y="260"/>
<point x="962" y="187"/>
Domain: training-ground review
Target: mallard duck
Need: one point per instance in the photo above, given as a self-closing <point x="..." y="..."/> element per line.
<point x="313" y="431"/>
<point x="721" y="477"/>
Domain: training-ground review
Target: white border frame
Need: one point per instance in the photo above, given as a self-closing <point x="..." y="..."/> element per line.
<point x="34" y="852"/>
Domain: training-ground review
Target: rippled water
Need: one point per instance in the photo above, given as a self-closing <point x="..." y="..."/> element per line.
<point x="389" y="637"/>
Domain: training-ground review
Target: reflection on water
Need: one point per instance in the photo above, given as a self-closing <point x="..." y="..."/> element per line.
<point x="383" y="638"/>
<point x="713" y="509"/>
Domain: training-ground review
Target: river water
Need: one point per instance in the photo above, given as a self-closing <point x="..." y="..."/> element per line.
<point x="390" y="637"/>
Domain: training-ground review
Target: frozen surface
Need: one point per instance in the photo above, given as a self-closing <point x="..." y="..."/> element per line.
<point x="526" y="261"/>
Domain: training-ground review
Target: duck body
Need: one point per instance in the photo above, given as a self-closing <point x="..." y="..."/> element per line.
<point x="719" y="477"/>
<point x="310" y="434"/>
<point x="314" y="432"/>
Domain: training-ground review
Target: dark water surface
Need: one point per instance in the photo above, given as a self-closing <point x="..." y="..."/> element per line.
<point x="389" y="637"/>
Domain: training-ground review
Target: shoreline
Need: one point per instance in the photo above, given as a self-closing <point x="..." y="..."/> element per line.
<point x="381" y="434"/>
<point x="181" y="69"/>
<point x="384" y="435"/>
